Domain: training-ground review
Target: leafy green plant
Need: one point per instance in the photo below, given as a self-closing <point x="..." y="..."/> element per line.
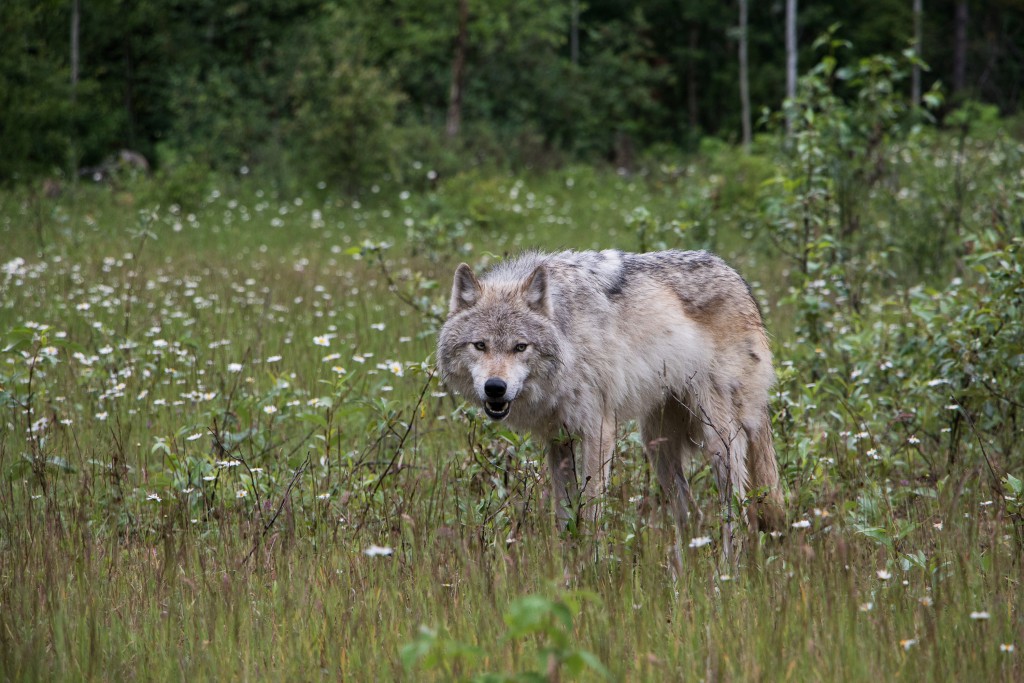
<point x="546" y="621"/>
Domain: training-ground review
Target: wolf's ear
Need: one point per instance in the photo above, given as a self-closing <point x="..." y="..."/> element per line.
<point x="535" y="291"/>
<point x="466" y="290"/>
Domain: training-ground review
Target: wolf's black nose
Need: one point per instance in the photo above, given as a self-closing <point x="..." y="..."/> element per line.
<point x="495" y="388"/>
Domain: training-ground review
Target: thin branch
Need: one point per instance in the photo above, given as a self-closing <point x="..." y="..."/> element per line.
<point x="280" y="506"/>
<point x="398" y="451"/>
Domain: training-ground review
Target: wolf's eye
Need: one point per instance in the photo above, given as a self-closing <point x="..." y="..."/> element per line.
<point x="519" y="348"/>
<point x="480" y="346"/>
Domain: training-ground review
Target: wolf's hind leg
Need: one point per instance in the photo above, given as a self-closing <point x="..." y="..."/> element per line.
<point x="669" y="448"/>
<point x="725" y="442"/>
<point x="767" y="511"/>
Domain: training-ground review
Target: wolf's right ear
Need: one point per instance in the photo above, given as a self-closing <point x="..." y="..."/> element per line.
<point x="466" y="290"/>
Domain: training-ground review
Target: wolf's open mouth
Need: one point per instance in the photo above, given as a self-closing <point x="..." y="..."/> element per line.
<point x="497" y="410"/>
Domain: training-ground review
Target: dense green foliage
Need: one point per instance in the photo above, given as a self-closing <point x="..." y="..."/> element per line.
<point x="224" y="453"/>
<point x="342" y="91"/>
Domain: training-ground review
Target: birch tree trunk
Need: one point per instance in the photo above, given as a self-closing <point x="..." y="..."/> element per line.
<point x="791" y="58"/>
<point x="915" y="74"/>
<point x="744" y="78"/>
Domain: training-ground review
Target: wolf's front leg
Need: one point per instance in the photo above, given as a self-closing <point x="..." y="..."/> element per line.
<point x="564" y="490"/>
<point x="598" y="446"/>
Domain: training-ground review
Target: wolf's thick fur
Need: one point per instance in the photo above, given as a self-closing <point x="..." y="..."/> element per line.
<point x="575" y="342"/>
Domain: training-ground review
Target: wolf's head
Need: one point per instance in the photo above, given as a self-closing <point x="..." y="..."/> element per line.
<point x="498" y="336"/>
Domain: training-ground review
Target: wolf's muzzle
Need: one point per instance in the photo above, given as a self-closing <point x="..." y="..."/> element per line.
<point x="496" y="406"/>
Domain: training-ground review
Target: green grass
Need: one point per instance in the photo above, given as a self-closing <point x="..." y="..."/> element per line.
<point x="177" y="516"/>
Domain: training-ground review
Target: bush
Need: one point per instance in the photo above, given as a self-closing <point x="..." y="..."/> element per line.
<point x="344" y="115"/>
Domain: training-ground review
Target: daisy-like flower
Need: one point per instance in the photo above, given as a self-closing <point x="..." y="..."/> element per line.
<point x="396" y="367"/>
<point x="101" y="416"/>
<point x="273" y="359"/>
<point x="322" y="340"/>
<point x="338" y="370"/>
<point x="1006" y="647"/>
<point x="234" y="367"/>
<point x="802" y="524"/>
<point x="883" y="575"/>
<point x="980" y="616"/>
<point x="241" y="493"/>
<point x="269" y="410"/>
<point x="700" y="541"/>
<point x="154" y="497"/>
<point x="378" y="551"/>
<point x="912" y="439"/>
<point x="194" y="437"/>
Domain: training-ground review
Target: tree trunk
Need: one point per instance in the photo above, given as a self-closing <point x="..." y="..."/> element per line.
<point x="960" y="47"/>
<point x="76" y="19"/>
<point x="915" y="75"/>
<point x="791" y="58"/>
<point x="692" y="104"/>
<point x="744" y="80"/>
<point x="453" y="123"/>
<point x="574" y="33"/>
<point x="129" y="91"/>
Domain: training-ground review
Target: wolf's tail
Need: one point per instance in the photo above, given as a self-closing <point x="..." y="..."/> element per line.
<point x="767" y="510"/>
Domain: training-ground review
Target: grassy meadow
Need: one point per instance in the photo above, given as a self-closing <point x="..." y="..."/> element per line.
<point x="224" y="454"/>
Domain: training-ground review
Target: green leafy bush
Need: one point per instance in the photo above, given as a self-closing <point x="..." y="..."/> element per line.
<point x="343" y="125"/>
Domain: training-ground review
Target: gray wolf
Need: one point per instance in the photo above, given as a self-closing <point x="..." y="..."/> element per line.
<point x="568" y="345"/>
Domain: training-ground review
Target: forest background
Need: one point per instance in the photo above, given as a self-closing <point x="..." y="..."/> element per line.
<point x="340" y="90"/>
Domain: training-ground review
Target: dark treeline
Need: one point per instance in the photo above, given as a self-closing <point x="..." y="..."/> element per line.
<point x="339" y="88"/>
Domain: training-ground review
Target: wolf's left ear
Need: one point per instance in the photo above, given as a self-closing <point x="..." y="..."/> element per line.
<point x="536" y="291"/>
<point x="466" y="290"/>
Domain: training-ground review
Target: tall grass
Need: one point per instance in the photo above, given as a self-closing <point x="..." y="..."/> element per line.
<point x="211" y="414"/>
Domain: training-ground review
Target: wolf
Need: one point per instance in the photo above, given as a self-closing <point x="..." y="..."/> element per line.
<point x="568" y="345"/>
